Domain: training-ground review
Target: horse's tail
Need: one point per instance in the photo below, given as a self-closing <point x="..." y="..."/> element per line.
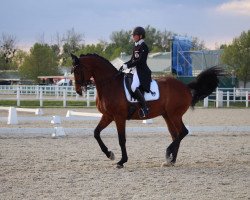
<point x="205" y="83"/>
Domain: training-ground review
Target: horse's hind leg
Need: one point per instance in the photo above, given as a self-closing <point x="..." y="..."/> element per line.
<point x="178" y="131"/>
<point x="104" y="122"/>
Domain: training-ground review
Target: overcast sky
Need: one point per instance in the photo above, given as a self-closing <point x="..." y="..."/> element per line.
<point x="213" y="21"/>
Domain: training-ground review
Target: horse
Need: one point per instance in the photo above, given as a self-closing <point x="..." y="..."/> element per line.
<point x="175" y="99"/>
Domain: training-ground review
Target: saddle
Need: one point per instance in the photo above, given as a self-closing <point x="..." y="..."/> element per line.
<point x="149" y="96"/>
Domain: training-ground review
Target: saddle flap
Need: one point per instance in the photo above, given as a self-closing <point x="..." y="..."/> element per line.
<point x="153" y="95"/>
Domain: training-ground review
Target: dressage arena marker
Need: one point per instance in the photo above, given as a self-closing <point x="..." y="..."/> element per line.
<point x="56" y="120"/>
<point x="82" y="114"/>
<point x="71" y="113"/>
<point x="12" y="117"/>
<point x="58" y="131"/>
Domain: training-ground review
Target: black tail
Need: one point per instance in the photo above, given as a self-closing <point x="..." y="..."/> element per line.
<point x="205" y="83"/>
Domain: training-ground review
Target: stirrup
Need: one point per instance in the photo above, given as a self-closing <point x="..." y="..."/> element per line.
<point x="143" y="112"/>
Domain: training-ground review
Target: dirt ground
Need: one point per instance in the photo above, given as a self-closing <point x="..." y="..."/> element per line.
<point x="210" y="165"/>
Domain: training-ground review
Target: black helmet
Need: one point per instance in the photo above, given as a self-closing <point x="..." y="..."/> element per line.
<point x="139" y="31"/>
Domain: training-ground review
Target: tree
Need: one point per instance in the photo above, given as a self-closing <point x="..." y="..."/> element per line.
<point x="7" y="51"/>
<point x="19" y="58"/>
<point x="122" y="40"/>
<point x="237" y="56"/>
<point x="42" y="61"/>
<point x="158" y="40"/>
<point x="197" y="44"/>
<point x="72" y="42"/>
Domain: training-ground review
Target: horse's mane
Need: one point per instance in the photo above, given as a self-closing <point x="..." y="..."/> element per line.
<point x="98" y="56"/>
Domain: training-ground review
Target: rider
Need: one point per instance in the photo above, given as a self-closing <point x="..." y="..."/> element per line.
<point x="139" y="68"/>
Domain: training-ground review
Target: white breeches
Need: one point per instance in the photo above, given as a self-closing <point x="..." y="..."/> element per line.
<point x="136" y="82"/>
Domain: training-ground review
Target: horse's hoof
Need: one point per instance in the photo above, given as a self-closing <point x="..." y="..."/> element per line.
<point x="112" y="156"/>
<point x="167" y="164"/>
<point x="118" y="166"/>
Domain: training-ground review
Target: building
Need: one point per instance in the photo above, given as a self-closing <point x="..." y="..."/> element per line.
<point x="157" y="62"/>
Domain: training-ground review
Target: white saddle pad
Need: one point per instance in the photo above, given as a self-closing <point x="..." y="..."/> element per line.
<point x="148" y="96"/>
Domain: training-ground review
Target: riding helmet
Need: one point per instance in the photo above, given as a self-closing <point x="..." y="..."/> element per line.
<point x="139" y="31"/>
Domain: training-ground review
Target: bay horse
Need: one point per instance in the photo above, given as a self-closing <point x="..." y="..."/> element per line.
<point x="175" y="99"/>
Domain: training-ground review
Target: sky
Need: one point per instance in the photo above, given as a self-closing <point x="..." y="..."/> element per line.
<point x="213" y="21"/>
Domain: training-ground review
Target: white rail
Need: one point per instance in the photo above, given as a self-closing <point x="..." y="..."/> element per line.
<point x="221" y="97"/>
<point x="42" y="93"/>
<point x="225" y="97"/>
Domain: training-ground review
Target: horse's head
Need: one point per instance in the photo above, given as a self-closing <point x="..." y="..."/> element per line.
<point x="91" y="66"/>
<point x="81" y="75"/>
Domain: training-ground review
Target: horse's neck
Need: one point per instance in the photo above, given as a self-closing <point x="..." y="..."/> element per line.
<point x="104" y="77"/>
<point x="103" y="72"/>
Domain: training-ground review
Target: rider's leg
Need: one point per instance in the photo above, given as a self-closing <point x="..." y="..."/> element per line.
<point x="141" y="99"/>
<point x="138" y="95"/>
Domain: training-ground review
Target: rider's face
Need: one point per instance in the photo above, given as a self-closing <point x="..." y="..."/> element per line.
<point x="136" y="38"/>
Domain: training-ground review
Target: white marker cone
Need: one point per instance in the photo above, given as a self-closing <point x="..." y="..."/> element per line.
<point x="39" y="111"/>
<point x="58" y="132"/>
<point x="68" y="113"/>
<point x="12" y="118"/>
<point x="56" y="120"/>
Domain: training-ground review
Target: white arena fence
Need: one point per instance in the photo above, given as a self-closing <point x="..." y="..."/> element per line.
<point x="222" y="97"/>
<point x="44" y="93"/>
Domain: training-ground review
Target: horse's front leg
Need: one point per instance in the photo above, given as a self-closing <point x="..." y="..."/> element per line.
<point x="120" y="125"/>
<point x="104" y="122"/>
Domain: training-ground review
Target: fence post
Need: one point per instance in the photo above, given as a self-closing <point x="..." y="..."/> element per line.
<point x="88" y="103"/>
<point x="95" y="93"/>
<point x="37" y="92"/>
<point x="41" y="97"/>
<point x="18" y="96"/>
<point x="56" y="91"/>
<point x="247" y="99"/>
<point x="228" y="100"/>
<point x="64" y="98"/>
<point x="219" y="98"/>
<point x="205" y="103"/>
<point x="234" y="93"/>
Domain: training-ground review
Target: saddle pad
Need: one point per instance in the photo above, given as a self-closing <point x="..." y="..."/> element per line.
<point x="148" y="96"/>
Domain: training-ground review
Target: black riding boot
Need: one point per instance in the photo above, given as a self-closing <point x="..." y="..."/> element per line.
<point x="144" y="109"/>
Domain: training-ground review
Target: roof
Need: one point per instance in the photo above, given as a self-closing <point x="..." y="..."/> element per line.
<point x="157" y="62"/>
<point x="9" y="75"/>
<point x="56" y="77"/>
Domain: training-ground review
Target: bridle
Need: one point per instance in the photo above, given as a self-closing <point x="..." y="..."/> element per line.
<point x="85" y="85"/>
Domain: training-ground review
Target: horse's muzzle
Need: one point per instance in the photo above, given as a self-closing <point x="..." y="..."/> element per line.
<point x="79" y="92"/>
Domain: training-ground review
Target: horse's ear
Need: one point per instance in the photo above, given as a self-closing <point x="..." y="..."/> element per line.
<point x="74" y="59"/>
